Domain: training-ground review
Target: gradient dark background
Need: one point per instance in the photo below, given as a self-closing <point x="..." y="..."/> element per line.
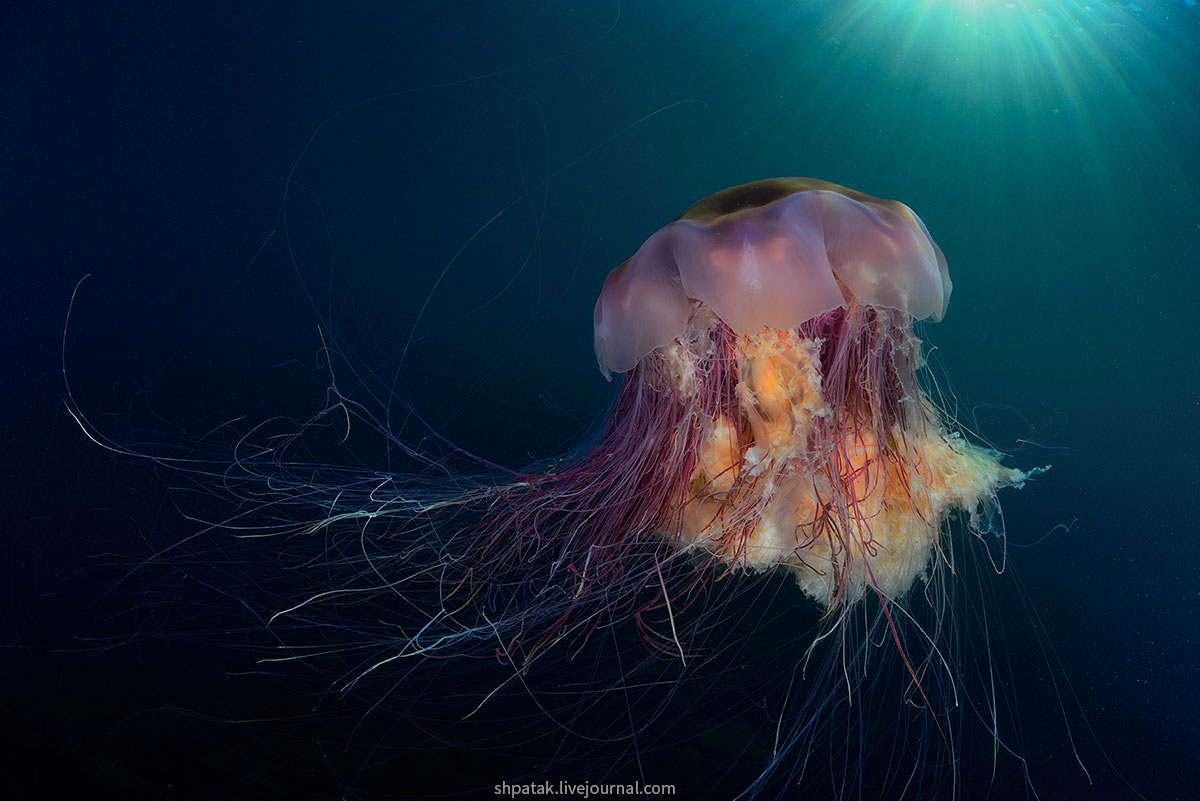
<point x="148" y="147"/>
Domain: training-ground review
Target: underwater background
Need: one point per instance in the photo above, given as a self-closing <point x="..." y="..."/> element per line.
<point x="440" y="189"/>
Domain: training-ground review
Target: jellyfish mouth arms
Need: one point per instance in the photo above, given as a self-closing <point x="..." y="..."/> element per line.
<point x="794" y="473"/>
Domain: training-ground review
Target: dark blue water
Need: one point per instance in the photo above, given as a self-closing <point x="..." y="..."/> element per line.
<point x="440" y="188"/>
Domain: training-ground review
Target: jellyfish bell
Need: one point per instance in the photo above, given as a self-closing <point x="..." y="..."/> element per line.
<point x="778" y="318"/>
<point x="769" y="254"/>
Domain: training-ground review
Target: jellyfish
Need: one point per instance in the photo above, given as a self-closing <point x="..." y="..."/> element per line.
<point x="773" y="419"/>
<point x="772" y="414"/>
